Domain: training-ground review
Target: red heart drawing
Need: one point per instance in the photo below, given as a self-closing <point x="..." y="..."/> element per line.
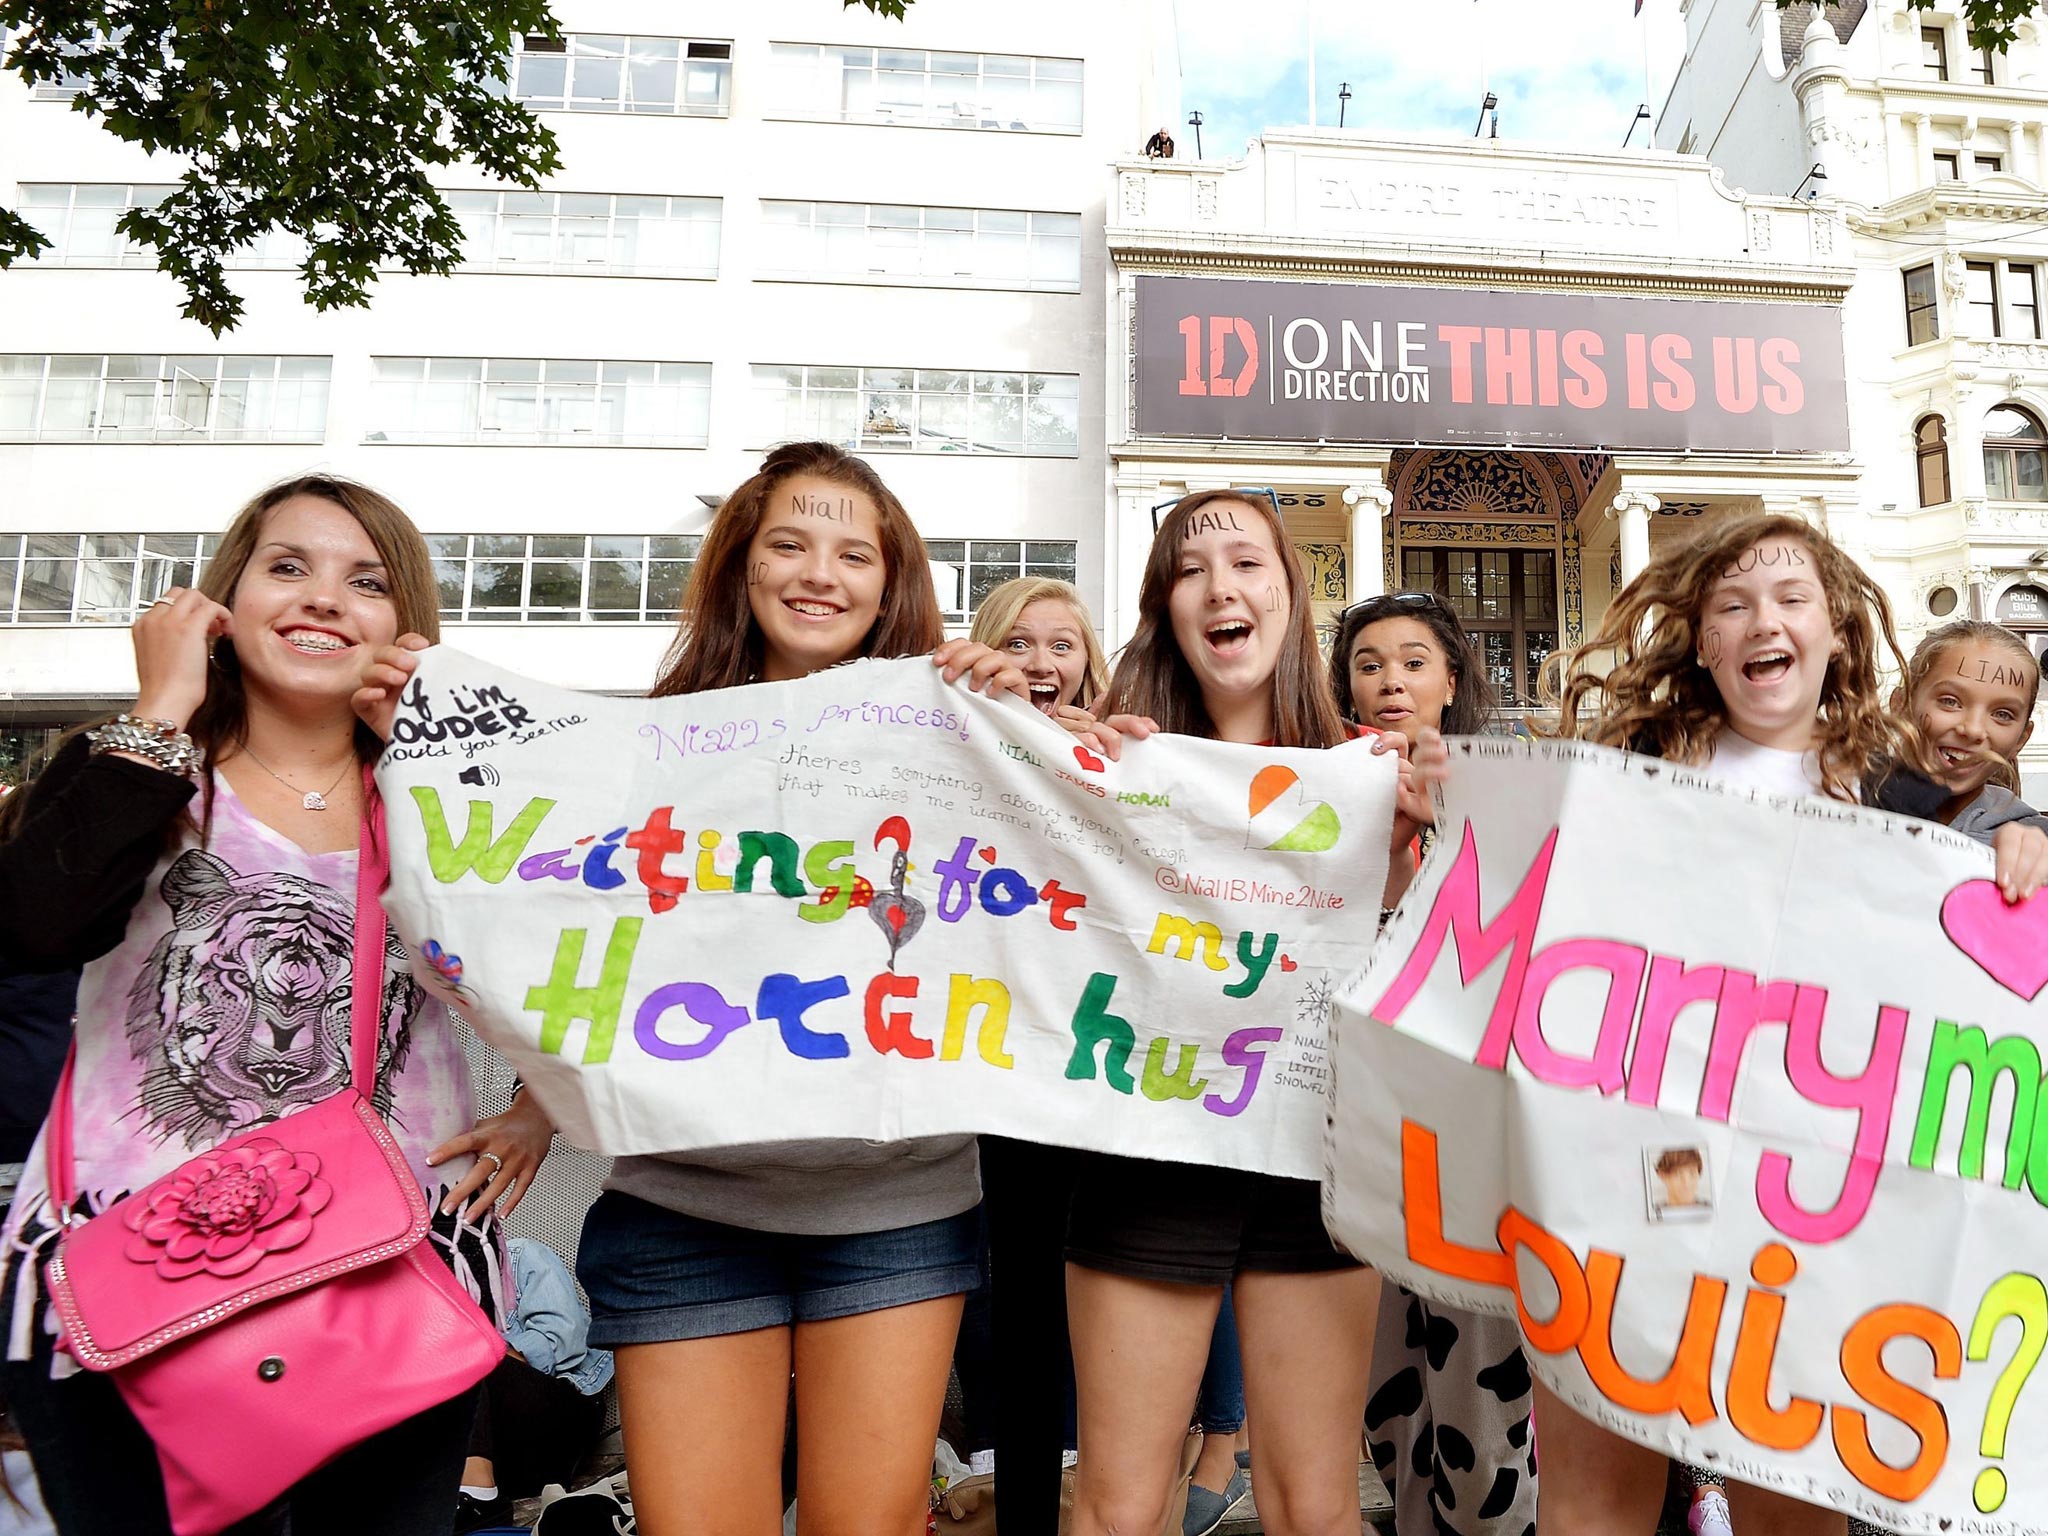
<point x="1286" y="963"/>
<point x="988" y="855"/>
<point x="896" y="917"/>
<point x="1088" y="760"/>
<point x="2009" y="942"/>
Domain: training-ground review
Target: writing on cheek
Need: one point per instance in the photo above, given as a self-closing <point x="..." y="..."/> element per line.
<point x="1712" y="646"/>
<point x="837" y="509"/>
<point x="757" y="573"/>
<point x="1212" y="522"/>
<point x="1272" y="599"/>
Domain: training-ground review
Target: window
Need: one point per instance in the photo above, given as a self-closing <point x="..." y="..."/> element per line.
<point x="920" y="410"/>
<point x="94" y="578"/>
<point x="79" y="218"/>
<point x="1930" y="455"/>
<point x="592" y="232"/>
<point x="2015" y="455"/>
<point x="592" y="72"/>
<point x="943" y="246"/>
<point x="1923" y="314"/>
<point x="966" y="570"/>
<point x="82" y="398"/>
<point x="1934" y="51"/>
<point x="1980" y="298"/>
<point x="558" y="402"/>
<point x="1948" y="165"/>
<point x="1980" y="66"/>
<point x="1004" y="92"/>
<point x="1989" y="164"/>
<point x="2022" y="302"/>
<point x="1507" y="601"/>
<point x="542" y="578"/>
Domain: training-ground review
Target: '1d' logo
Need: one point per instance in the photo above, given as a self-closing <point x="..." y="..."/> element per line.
<point x="1222" y="330"/>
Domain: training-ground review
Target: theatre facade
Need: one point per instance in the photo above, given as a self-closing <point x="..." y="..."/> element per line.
<point x="1495" y="371"/>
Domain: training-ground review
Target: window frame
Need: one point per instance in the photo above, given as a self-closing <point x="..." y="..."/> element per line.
<point x="479" y="388"/>
<point x="148" y="573"/>
<point x="1950" y="160"/>
<point x="1971" y="305"/>
<point x="789" y="97"/>
<point x="655" y="549"/>
<point x="702" y="52"/>
<point x="1524" y="697"/>
<point x="1980" y="67"/>
<point x="1938" y="37"/>
<point x="173" y="383"/>
<point x="978" y="562"/>
<point x="565" y="226"/>
<point x="880" y="397"/>
<point x="2008" y="449"/>
<point x="1926" y="449"/>
<point x="875" y="220"/>
<point x="1930" y="309"/>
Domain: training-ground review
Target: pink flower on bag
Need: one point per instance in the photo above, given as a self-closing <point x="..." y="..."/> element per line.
<point x="224" y="1211"/>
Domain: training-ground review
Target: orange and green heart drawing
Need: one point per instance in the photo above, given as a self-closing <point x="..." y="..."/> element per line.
<point x="1284" y="819"/>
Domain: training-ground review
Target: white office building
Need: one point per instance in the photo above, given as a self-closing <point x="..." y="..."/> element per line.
<point x="772" y="220"/>
<point x="1935" y="155"/>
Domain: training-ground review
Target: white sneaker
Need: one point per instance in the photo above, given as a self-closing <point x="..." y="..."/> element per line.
<point x="1709" y="1514"/>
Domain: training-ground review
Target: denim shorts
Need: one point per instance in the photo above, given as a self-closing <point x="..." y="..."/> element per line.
<point x="656" y="1275"/>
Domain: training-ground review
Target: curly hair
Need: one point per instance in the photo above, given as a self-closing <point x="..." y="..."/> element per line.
<point x="1641" y="681"/>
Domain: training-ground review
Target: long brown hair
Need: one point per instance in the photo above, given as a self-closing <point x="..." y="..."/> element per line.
<point x="1641" y="679"/>
<point x="221" y="723"/>
<point x="1153" y="678"/>
<point x="1002" y="608"/>
<point x="718" y="644"/>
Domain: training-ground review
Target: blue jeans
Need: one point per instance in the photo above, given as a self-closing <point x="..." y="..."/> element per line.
<point x="1219" y="1407"/>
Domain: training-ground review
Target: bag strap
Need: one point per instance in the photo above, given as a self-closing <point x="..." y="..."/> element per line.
<point x="366" y="996"/>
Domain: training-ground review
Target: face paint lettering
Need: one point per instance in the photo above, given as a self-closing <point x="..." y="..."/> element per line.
<point x="1712" y="647"/>
<point x="1272" y="599"/>
<point x="1790" y="556"/>
<point x="1211" y="522"/>
<point x="1996" y="673"/>
<point x="757" y="573"/>
<point x="836" y="509"/>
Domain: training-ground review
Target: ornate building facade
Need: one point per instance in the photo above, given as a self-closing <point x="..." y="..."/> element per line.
<point x="1460" y="468"/>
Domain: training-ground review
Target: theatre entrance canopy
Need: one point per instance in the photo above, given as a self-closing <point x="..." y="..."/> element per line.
<point x="1499" y="371"/>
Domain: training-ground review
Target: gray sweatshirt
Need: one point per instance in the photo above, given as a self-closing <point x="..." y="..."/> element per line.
<point x="1992" y="809"/>
<point x="818" y="1188"/>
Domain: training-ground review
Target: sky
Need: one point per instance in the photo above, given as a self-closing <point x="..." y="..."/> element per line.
<point x="1567" y="72"/>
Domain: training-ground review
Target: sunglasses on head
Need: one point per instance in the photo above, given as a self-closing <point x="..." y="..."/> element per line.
<point x="1247" y="491"/>
<point x="1390" y="605"/>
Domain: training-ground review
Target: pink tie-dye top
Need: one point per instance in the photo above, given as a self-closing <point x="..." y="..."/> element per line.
<point x="226" y="1006"/>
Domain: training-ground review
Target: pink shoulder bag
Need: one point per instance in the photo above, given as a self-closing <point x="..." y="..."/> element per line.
<point x="275" y="1300"/>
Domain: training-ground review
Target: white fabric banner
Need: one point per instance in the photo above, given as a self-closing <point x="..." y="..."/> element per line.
<point x="1734" y="1100"/>
<point x="873" y="905"/>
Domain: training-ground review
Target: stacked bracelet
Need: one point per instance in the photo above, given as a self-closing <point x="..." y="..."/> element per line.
<point x="159" y="741"/>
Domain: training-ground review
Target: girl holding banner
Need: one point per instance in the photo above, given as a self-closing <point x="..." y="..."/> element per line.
<point x="1403" y="664"/>
<point x="1753" y="651"/>
<point x="714" y="1274"/>
<point x="1225" y="648"/>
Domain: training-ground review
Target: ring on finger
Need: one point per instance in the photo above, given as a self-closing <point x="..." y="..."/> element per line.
<point x="498" y="1163"/>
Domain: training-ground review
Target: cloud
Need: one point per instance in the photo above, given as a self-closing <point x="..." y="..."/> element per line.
<point x="1567" y="72"/>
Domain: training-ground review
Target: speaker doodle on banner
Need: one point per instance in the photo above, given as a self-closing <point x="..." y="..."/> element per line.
<point x="1735" y="1102"/>
<point x="873" y="905"/>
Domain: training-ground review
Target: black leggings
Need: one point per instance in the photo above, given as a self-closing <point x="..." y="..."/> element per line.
<point x="1027" y="1191"/>
<point x="99" y="1477"/>
<point x="532" y="1428"/>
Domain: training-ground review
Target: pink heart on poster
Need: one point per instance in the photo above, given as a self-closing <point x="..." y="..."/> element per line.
<point x="2009" y="942"/>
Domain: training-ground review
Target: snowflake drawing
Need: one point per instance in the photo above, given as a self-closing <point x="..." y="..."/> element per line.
<point x="1317" y="1001"/>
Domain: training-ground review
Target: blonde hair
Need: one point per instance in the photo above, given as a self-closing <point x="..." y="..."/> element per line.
<point x="1641" y="680"/>
<point x="1937" y="642"/>
<point x="1002" y="608"/>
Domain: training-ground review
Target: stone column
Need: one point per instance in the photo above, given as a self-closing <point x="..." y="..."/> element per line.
<point x="1365" y="561"/>
<point x="1130" y="539"/>
<point x="1632" y="509"/>
<point x="1923" y="150"/>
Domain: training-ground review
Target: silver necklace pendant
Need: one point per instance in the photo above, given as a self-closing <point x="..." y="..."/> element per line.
<point x="315" y="801"/>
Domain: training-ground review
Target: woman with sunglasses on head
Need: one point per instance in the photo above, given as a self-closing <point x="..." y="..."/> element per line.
<point x="1447" y="1416"/>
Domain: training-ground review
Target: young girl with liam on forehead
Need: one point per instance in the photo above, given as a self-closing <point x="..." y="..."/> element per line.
<point x="1752" y="651"/>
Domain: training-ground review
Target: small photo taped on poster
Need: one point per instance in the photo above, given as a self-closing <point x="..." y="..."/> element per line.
<point x="1675" y="1183"/>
